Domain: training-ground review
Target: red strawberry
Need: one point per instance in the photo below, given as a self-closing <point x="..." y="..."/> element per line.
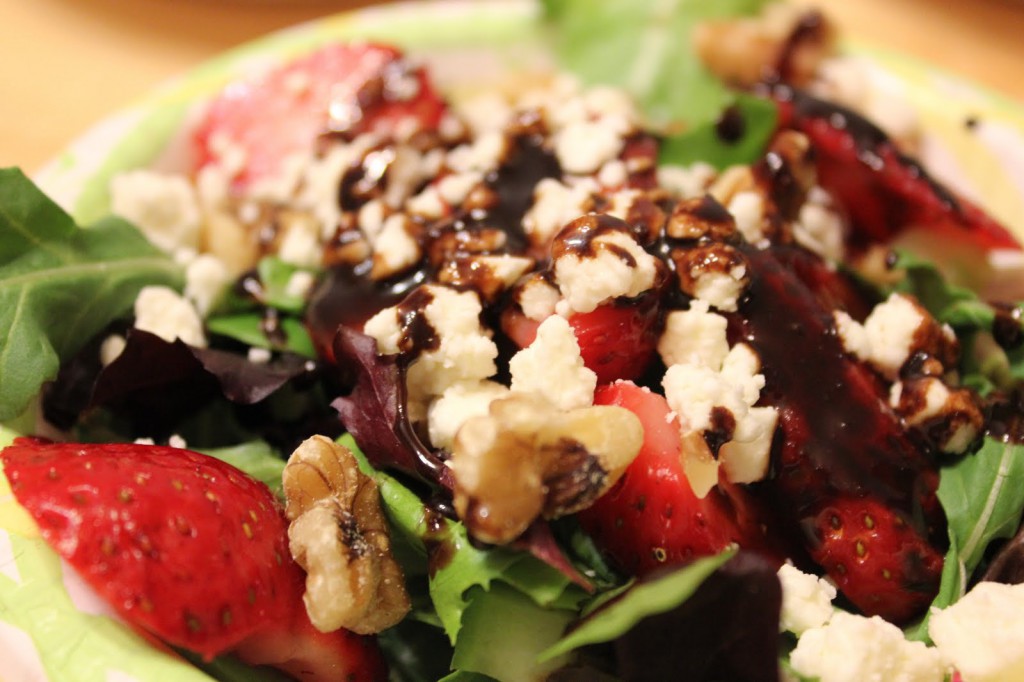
<point x="652" y="517"/>
<point x="887" y="196"/>
<point x="184" y="546"/>
<point x="616" y="341"/>
<point x="868" y="549"/>
<point x="349" y="89"/>
<point x="838" y="437"/>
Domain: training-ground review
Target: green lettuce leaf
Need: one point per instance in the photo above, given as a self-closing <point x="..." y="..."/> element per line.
<point x="638" y="602"/>
<point x="60" y="284"/>
<point x="257" y="459"/>
<point x="703" y="143"/>
<point x="645" y="47"/>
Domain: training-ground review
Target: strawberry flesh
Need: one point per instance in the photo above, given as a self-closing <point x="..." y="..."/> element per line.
<point x="838" y="437"/>
<point x="181" y="545"/>
<point x="652" y="517"/>
<point x="344" y="89"/>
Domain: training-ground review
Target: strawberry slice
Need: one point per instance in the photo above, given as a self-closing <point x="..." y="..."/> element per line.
<point x="868" y="548"/>
<point x="341" y="88"/>
<point x="838" y="438"/>
<point x="616" y="341"/>
<point x="889" y="198"/>
<point x="183" y="546"/>
<point x="652" y="517"/>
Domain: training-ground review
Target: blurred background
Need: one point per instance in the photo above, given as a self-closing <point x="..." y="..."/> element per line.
<point x="66" y="64"/>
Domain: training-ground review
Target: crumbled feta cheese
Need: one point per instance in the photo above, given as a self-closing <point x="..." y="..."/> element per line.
<point x="554" y="205"/>
<point x="721" y="289"/>
<point x="694" y="390"/>
<point x="176" y="441"/>
<point x="111" y="348"/>
<point x="586" y="282"/>
<point x="428" y="203"/>
<point x="259" y="356"/>
<point x="464" y="352"/>
<point x="300" y="284"/>
<point x="745" y="458"/>
<point x="583" y="146"/>
<point x="818" y="227"/>
<point x="454" y="188"/>
<point x="551" y="366"/>
<point x="695" y="335"/>
<point x="748" y="209"/>
<point x="458" y="403"/>
<point x="160" y="310"/>
<point x="538" y="298"/>
<point x="300" y="243"/>
<point x="806" y="600"/>
<point x="982" y="634"/>
<point x="394" y="249"/>
<point x="853" y="648"/>
<point x="886" y="338"/>
<point x="686" y="182"/>
<point x="319" y="192"/>
<point x="206" y="280"/>
<point x="613" y="174"/>
<point x="482" y="155"/>
<point x="163" y="207"/>
<point x="370" y="218"/>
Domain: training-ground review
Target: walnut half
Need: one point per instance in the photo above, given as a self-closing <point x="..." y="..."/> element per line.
<point x="338" y="534"/>
<point x="526" y="459"/>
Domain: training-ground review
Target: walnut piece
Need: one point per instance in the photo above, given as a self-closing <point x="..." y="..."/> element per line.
<point x="338" y="534"/>
<point x="526" y="459"/>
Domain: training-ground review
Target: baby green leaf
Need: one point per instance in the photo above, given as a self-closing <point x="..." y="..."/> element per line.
<point x="983" y="496"/>
<point x="60" y="284"/>
<point x="646" y="47"/>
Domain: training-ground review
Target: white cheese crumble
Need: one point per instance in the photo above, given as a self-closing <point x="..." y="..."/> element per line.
<point x="394" y="249"/>
<point x="818" y="227"/>
<point x="206" y="280"/>
<point x="551" y="366"/>
<point x="465" y="350"/>
<point x="583" y="146"/>
<point x="538" y="299"/>
<point x="686" y="182"/>
<point x="163" y="207"/>
<point x="721" y="289"/>
<point x="695" y="387"/>
<point x="806" y="600"/>
<point x="457" y="404"/>
<point x="886" y="338"/>
<point x="747" y="208"/>
<point x="160" y="310"/>
<point x="554" y="205"/>
<point x="586" y="282"/>
<point x="695" y="335"/>
<point x="982" y="634"/>
<point x="853" y="648"/>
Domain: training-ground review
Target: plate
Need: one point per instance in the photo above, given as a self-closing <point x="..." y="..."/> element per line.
<point x="973" y="139"/>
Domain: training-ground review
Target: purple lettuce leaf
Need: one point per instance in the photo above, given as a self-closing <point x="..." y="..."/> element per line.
<point x="375" y="411"/>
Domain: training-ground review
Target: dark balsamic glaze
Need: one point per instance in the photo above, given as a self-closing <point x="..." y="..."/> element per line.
<point x="418" y="335"/>
<point x="731" y="125"/>
<point x="839" y="436"/>
<point x="723" y="423"/>
<point x="577" y="238"/>
<point x="1006" y="327"/>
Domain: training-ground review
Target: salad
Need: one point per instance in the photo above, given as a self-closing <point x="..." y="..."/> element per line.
<point x="602" y="343"/>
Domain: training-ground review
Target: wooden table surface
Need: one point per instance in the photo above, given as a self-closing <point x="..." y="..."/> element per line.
<point x="68" y="63"/>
